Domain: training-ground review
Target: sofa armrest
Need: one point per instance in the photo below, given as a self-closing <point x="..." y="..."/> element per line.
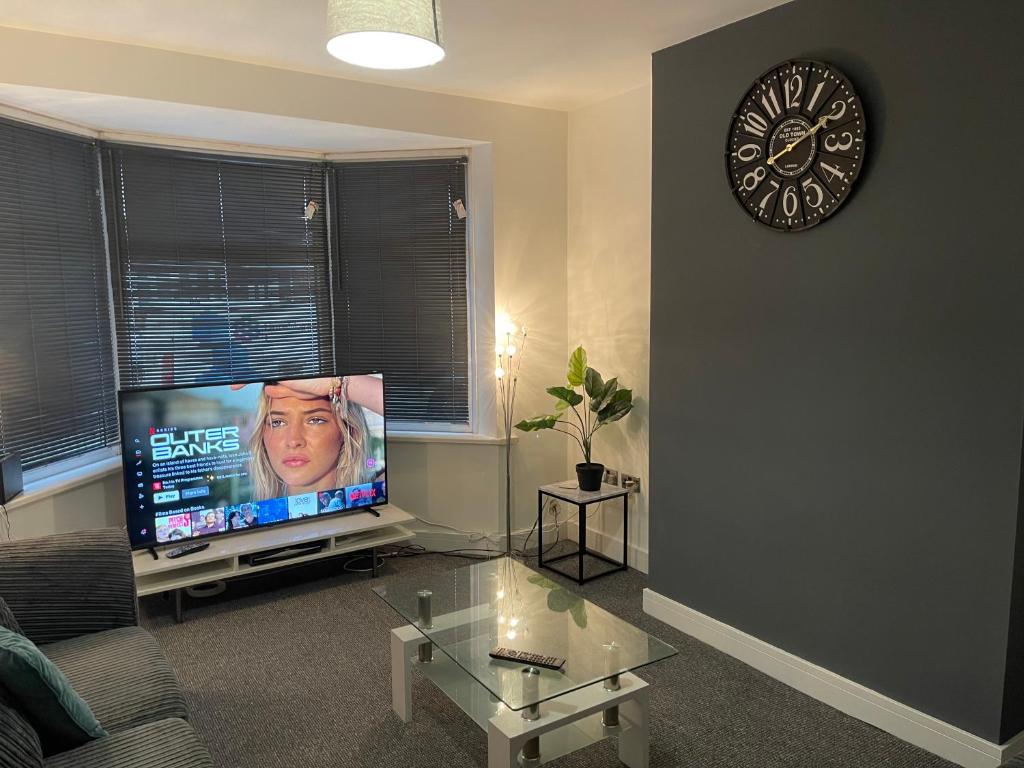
<point x="69" y="584"/>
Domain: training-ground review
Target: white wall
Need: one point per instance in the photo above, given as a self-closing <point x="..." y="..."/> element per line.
<point x="528" y="149"/>
<point x="96" y="503"/>
<point x="609" y="280"/>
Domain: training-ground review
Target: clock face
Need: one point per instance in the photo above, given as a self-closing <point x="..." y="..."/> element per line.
<point x="796" y="145"/>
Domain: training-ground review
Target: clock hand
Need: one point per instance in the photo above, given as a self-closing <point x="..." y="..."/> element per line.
<point x="817" y="126"/>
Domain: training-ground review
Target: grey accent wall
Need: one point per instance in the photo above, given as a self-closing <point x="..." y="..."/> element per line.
<point x="837" y="414"/>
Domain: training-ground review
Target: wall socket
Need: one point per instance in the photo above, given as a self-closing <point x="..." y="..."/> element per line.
<point x="611" y="476"/>
<point x="631" y="483"/>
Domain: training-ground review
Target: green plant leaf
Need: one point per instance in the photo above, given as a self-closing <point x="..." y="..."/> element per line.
<point x="542" y="581"/>
<point x="593" y="384"/>
<point x="618" y="406"/>
<point x="614" y="412"/>
<point x="577" y="367"/>
<point x="566" y="394"/>
<point x="621" y="396"/>
<point x="579" y="613"/>
<point x="561" y="406"/>
<point x="597" y="403"/>
<point x="560" y="600"/>
<point x="541" y="422"/>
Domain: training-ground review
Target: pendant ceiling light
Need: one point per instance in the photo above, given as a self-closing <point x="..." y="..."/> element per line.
<point x="385" y="34"/>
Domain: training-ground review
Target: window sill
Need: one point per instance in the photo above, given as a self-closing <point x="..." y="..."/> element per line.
<point x="64" y="481"/>
<point x="464" y="438"/>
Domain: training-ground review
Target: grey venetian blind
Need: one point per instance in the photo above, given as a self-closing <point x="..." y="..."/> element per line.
<point x="57" y="378"/>
<point x="218" y="275"/>
<point x="402" y="304"/>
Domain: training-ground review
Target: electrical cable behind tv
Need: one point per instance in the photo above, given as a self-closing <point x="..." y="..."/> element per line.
<point x="358" y="557"/>
<point x="469" y="553"/>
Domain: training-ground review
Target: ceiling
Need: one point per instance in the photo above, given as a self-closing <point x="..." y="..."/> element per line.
<point x="558" y="54"/>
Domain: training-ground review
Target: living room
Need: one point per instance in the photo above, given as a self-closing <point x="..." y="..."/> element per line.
<point x="727" y="234"/>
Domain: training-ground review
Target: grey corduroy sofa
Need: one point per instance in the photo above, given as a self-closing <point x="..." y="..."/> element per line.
<point x="74" y="596"/>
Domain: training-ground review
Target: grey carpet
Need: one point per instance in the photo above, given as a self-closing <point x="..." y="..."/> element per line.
<point x="293" y="669"/>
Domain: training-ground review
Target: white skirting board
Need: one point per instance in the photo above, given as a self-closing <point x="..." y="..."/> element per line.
<point x="945" y="740"/>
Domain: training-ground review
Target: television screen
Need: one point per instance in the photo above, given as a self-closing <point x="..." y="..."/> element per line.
<point x="205" y="461"/>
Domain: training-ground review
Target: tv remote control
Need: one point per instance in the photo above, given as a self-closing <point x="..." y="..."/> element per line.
<point x="187" y="549"/>
<point x="525" y="657"/>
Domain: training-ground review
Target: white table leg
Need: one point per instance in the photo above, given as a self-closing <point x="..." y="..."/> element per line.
<point x="634" y="741"/>
<point x="403" y="640"/>
<point x="502" y="752"/>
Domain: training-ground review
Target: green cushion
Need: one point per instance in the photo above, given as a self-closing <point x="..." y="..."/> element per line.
<point x="44" y="696"/>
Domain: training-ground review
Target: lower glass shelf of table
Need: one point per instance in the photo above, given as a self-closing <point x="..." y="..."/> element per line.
<point x="531" y="715"/>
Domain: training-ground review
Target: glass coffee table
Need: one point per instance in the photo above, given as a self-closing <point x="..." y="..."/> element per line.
<point x="532" y="714"/>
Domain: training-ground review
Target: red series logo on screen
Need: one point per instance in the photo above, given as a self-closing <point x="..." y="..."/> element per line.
<point x="358" y="494"/>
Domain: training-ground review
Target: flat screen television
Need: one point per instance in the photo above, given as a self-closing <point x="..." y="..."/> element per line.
<point x="213" y="460"/>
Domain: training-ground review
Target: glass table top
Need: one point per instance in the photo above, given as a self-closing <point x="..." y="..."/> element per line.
<point x="501" y="603"/>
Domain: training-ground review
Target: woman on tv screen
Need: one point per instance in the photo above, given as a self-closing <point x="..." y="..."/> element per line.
<point x="311" y="435"/>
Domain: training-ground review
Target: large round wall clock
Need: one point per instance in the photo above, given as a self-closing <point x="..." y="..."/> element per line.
<point x="796" y="145"/>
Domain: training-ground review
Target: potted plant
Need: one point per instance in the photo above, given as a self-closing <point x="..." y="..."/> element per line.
<point x="605" y="402"/>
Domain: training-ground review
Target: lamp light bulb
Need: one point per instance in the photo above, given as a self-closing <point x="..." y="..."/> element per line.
<point x="501" y="619"/>
<point x="511" y="349"/>
<point x="514" y="621"/>
<point x="511" y="634"/>
<point x="501" y="323"/>
<point x="499" y="372"/>
<point x="501" y="594"/>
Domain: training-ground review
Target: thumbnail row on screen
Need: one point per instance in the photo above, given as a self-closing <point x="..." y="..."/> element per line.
<point x="186" y="525"/>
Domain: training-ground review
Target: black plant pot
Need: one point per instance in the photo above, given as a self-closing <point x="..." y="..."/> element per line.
<point x="590" y="476"/>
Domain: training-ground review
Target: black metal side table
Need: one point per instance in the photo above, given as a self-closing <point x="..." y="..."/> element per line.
<point x="568" y="491"/>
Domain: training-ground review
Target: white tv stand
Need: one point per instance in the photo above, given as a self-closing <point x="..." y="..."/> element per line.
<point x="225" y="558"/>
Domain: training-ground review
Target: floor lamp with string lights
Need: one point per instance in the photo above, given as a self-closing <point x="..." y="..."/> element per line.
<point x="511" y="345"/>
